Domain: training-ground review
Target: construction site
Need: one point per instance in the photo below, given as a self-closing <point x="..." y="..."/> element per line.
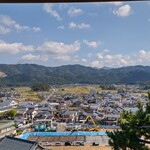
<point x="82" y="134"/>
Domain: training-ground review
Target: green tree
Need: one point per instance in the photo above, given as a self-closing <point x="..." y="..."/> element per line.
<point x="135" y="130"/>
<point x="40" y="87"/>
<point x="12" y="113"/>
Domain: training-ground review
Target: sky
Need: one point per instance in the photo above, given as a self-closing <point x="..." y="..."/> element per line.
<point x="113" y="34"/>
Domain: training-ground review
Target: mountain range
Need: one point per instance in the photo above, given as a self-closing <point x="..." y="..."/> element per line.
<point x="27" y="74"/>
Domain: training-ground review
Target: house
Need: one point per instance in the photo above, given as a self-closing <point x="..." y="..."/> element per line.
<point x="93" y="92"/>
<point x="20" y="117"/>
<point x="12" y="143"/>
<point x="132" y="109"/>
<point x="76" y="103"/>
<point x="41" y="115"/>
<point x="4" y="109"/>
<point x="7" y="128"/>
<point x="30" y="113"/>
<point x="27" y="104"/>
<point x="110" y="119"/>
<point x="98" y="116"/>
<point x="82" y="116"/>
<point x="70" y="116"/>
<point x="8" y="103"/>
<point x="94" y="106"/>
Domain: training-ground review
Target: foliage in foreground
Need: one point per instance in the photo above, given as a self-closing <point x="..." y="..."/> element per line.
<point x="135" y="130"/>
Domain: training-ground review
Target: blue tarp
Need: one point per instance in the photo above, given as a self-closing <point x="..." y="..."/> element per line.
<point x="26" y="135"/>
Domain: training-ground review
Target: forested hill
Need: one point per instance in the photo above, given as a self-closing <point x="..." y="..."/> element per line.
<point x="27" y="74"/>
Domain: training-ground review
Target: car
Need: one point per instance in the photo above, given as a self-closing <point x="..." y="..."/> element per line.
<point x="57" y="144"/>
<point x="79" y="143"/>
<point x="67" y="143"/>
<point x="48" y="144"/>
<point x="95" y="144"/>
<point x="19" y="125"/>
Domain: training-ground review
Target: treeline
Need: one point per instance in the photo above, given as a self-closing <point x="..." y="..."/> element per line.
<point x="144" y="85"/>
<point x="40" y="87"/>
<point x="108" y="87"/>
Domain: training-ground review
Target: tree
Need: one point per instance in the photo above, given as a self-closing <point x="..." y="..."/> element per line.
<point x="8" y="114"/>
<point x="40" y="87"/>
<point x="12" y="113"/>
<point x="135" y="130"/>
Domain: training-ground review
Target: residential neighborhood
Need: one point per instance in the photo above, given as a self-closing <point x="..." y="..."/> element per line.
<point x="65" y="111"/>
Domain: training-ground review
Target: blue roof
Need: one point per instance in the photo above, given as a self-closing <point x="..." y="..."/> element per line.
<point x="26" y="135"/>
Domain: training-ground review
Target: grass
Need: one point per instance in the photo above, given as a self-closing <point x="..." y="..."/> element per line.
<point x="83" y="89"/>
<point x="27" y="93"/>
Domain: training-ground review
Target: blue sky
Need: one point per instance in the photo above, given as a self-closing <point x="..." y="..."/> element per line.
<point x="90" y="34"/>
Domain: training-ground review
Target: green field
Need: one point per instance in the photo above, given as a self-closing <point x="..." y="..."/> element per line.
<point x="82" y="89"/>
<point x="28" y="94"/>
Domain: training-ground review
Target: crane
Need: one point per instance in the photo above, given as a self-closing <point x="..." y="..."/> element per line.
<point x="95" y="128"/>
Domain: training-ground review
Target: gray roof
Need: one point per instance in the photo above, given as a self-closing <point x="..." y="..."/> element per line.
<point x="132" y="109"/>
<point x="6" y="102"/>
<point x="11" y="143"/>
<point x="6" y="123"/>
<point x="2" y="108"/>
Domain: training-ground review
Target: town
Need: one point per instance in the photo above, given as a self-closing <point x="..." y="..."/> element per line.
<point x="67" y="110"/>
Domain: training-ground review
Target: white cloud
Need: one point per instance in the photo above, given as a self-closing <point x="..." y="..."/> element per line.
<point x="73" y="25"/>
<point x="7" y="24"/>
<point x="51" y="11"/>
<point x="114" y="60"/>
<point x="4" y="30"/>
<point x="62" y="57"/>
<point x="95" y="64"/>
<point x="61" y="27"/>
<point x="59" y="50"/>
<point x="84" y="60"/>
<point x="6" y="20"/>
<point x="30" y="58"/>
<point x="143" y="56"/>
<point x="54" y="50"/>
<point x="14" y="48"/>
<point x="74" y="11"/>
<point x="116" y="3"/>
<point x="92" y="44"/>
<point x="123" y="11"/>
<point x="36" y="29"/>
<point x="51" y="47"/>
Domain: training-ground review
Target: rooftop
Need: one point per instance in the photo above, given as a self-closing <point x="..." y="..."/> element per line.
<point x="11" y="143"/>
<point x="6" y="123"/>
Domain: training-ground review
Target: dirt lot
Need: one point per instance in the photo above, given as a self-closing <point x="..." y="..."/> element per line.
<point x="81" y="148"/>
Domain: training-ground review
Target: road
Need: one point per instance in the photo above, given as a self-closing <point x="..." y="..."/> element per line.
<point x="53" y="91"/>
